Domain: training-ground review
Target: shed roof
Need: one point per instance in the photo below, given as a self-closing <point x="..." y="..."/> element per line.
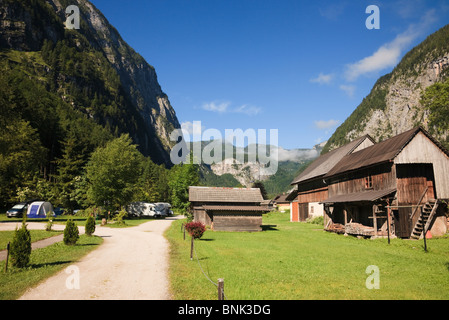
<point x="359" y="196"/>
<point x="231" y="195"/>
<point x="381" y="152"/>
<point x="327" y="161"/>
<point x="236" y="208"/>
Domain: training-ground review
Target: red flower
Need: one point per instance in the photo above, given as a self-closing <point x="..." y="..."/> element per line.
<point x="195" y="229"/>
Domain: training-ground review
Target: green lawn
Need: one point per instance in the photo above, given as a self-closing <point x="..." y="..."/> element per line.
<point x="36" y="235"/>
<point x="301" y="261"/>
<point x="43" y="263"/>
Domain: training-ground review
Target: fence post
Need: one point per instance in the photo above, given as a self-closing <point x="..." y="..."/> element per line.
<point x="220" y="289"/>
<point x="7" y="256"/>
<point x="191" y="249"/>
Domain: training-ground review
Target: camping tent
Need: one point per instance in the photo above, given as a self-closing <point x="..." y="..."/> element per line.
<point x="39" y="209"/>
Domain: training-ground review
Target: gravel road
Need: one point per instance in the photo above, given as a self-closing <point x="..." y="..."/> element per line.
<point x="131" y="264"/>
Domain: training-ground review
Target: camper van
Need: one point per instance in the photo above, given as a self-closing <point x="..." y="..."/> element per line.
<point x="141" y="209"/>
<point x="145" y="209"/>
<point x="163" y="209"/>
<point x="39" y="209"/>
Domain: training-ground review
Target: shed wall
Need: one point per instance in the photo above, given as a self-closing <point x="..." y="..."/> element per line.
<point x="422" y="150"/>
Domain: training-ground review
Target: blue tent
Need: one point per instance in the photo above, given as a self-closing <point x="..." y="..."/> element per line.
<point x="39" y="209"/>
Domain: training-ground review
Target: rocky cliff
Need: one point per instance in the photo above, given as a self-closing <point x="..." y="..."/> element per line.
<point x="394" y="104"/>
<point x="135" y="105"/>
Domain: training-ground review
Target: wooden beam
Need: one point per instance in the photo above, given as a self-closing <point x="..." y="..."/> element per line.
<point x="375" y="219"/>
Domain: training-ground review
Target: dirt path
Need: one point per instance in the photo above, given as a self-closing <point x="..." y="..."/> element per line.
<point x="131" y="264"/>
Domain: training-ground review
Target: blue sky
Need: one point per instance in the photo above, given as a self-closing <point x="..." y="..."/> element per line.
<point x="300" y="67"/>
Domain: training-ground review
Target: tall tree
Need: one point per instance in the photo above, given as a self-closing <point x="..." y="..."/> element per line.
<point x="181" y="177"/>
<point x="113" y="173"/>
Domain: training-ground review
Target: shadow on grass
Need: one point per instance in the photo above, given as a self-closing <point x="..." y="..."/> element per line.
<point x="269" y="227"/>
<point x="56" y="263"/>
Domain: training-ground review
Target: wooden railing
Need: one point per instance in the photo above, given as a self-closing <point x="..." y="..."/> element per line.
<point x="419" y="203"/>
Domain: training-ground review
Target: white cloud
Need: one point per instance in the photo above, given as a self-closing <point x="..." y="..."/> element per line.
<point x="248" y="110"/>
<point x="296" y="155"/>
<point x="193" y="130"/>
<point x="388" y="55"/>
<point x="349" y="89"/>
<point x="323" y="78"/>
<point x="225" y="107"/>
<point x="322" y="124"/>
<point x="216" y="106"/>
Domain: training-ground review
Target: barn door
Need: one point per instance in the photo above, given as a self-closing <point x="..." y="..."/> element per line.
<point x="412" y="181"/>
<point x="303" y="211"/>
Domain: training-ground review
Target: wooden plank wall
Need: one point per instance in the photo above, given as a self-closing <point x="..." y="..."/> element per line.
<point x="422" y="150"/>
<point x="316" y="195"/>
<point x="249" y="222"/>
<point x="383" y="177"/>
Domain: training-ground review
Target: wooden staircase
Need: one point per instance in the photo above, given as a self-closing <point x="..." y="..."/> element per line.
<point x="428" y="211"/>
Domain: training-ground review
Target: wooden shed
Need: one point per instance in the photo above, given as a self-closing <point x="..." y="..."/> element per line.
<point x="228" y="209"/>
<point x="395" y="187"/>
<point x="311" y="188"/>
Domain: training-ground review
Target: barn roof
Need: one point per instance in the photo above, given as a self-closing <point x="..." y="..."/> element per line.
<point x="381" y="152"/>
<point x="327" y="161"/>
<point x="359" y="196"/>
<point x="236" y="208"/>
<point x="232" y="195"/>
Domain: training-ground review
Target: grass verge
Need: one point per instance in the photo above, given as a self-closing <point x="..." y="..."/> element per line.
<point x="299" y="261"/>
<point x="44" y="263"/>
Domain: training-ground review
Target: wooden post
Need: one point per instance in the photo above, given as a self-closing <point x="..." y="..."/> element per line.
<point x="375" y="220"/>
<point x="425" y="242"/>
<point x="220" y="289"/>
<point x="388" y="220"/>
<point x="7" y="256"/>
<point x="184" y="232"/>
<point x="191" y="249"/>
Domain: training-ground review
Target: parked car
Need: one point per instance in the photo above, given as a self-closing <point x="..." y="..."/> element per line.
<point x="18" y="210"/>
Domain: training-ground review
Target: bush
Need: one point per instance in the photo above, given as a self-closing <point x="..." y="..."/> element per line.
<point x="71" y="233"/>
<point x="50" y="221"/>
<point x="195" y="229"/>
<point x="90" y="225"/>
<point x="120" y="216"/>
<point x="316" y="220"/>
<point x="20" y="249"/>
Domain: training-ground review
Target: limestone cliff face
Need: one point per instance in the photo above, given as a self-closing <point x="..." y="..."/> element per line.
<point x="25" y="26"/>
<point x="394" y="104"/>
<point x="403" y="107"/>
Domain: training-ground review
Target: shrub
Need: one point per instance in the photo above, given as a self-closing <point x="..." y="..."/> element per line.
<point x="195" y="229"/>
<point x="316" y="220"/>
<point x="119" y="217"/>
<point x="20" y="249"/>
<point x="71" y="233"/>
<point x="90" y="225"/>
<point x="50" y="221"/>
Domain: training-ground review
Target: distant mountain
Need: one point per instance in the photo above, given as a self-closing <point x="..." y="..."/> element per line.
<point x="69" y="83"/>
<point x="232" y="173"/>
<point x="395" y="103"/>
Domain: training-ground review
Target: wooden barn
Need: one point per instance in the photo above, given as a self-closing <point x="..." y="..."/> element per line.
<point x="228" y="209"/>
<point x="311" y="188"/>
<point x="394" y="187"/>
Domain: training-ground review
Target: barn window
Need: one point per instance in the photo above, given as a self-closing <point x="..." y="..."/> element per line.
<point x="368" y="182"/>
<point x="311" y="209"/>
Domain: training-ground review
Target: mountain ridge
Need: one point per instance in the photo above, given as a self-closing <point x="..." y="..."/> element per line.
<point x="117" y="88"/>
<point x="394" y="104"/>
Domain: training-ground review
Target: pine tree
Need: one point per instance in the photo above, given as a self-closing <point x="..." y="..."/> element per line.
<point x="71" y="233"/>
<point x="20" y="249"/>
<point x="90" y="225"/>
